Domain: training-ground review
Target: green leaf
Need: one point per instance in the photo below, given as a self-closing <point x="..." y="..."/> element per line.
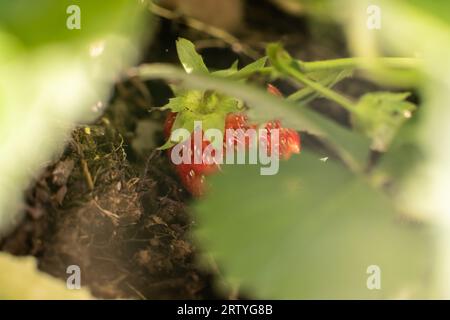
<point x="215" y="121"/>
<point x="235" y="65"/>
<point x="244" y="73"/>
<point x="227" y="72"/>
<point x="276" y="54"/>
<point x="189" y="58"/>
<point x="314" y="238"/>
<point x="185" y="120"/>
<point x="250" y="68"/>
<point x="21" y="279"/>
<point x="167" y="145"/>
<point x="175" y="104"/>
<point x="206" y="106"/>
<point x="379" y="115"/>
<point x="404" y="155"/>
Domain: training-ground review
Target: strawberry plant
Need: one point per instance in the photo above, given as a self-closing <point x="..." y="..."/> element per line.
<point x="289" y="176"/>
<point x="339" y="193"/>
<point x="377" y="116"/>
<point x="219" y="112"/>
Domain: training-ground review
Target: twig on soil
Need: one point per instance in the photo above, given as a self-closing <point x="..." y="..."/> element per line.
<point x="114" y="217"/>
<point x="136" y="291"/>
<point x="87" y="174"/>
<point x="213" y="31"/>
<point x="84" y="166"/>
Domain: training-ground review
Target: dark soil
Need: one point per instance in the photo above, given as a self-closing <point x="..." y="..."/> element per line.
<point x="128" y="235"/>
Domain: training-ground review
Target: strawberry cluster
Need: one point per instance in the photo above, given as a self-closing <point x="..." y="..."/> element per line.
<point x="193" y="176"/>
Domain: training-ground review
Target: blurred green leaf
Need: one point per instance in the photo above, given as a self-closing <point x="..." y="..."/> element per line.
<point x="379" y="115"/>
<point x="404" y="152"/>
<point x="54" y="78"/>
<point x="40" y="23"/>
<point x="314" y="237"/>
<point x="439" y="9"/>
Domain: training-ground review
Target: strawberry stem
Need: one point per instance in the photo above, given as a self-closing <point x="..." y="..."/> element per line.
<point x="324" y="91"/>
<point x="340" y="64"/>
<point x="362" y="63"/>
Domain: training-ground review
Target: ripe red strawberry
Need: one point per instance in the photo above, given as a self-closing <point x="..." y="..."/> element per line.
<point x="288" y="140"/>
<point x="207" y="165"/>
<point x="193" y="176"/>
<point x="193" y="181"/>
<point x="170" y="119"/>
<point x="237" y="121"/>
